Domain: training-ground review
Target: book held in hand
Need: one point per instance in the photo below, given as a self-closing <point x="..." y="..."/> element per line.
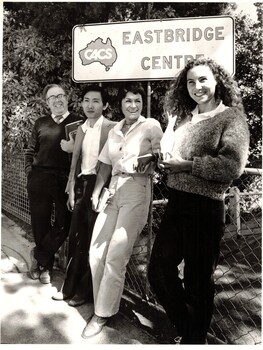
<point x="72" y="129"/>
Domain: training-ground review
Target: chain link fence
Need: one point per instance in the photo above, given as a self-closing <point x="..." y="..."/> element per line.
<point x="237" y="316"/>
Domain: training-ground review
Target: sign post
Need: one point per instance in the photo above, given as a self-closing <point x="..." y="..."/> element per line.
<point x="148" y="83"/>
<point x="151" y="49"/>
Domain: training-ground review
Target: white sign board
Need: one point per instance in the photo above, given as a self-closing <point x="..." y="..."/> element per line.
<point x="149" y="50"/>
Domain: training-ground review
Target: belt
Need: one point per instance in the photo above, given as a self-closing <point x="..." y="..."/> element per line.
<point x="133" y="175"/>
<point x="87" y="177"/>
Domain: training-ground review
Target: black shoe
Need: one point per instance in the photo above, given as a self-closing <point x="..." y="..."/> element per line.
<point x="75" y="302"/>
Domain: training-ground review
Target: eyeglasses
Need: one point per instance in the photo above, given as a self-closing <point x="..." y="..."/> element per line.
<point x="52" y="98"/>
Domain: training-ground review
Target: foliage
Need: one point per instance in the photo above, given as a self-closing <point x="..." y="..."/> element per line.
<point x="37" y="51"/>
<point x="249" y="77"/>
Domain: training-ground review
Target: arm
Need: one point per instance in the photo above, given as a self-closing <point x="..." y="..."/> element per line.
<point x="75" y="157"/>
<point x="31" y="150"/>
<point x="232" y="155"/>
<point x="229" y="161"/>
<point x="156" y="135"/>
<point x="101" y="180"/>
<point x="143" y="161"/>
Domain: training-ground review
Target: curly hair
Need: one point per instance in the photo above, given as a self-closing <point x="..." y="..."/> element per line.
<point x="178" y="101"/>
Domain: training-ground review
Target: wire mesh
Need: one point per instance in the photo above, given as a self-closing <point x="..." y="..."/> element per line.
<point x="237" y="316"/>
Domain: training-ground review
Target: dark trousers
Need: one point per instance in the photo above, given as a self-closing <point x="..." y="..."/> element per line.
<point x="191" y="230"/>
<point x="46" y="187"/>
<point x="78" y="279"/>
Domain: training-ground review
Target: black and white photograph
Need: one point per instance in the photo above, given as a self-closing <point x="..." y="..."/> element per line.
<point x="131" y="193"/>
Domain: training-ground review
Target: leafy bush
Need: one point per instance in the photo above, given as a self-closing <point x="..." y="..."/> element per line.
<point x="37" y="51"/>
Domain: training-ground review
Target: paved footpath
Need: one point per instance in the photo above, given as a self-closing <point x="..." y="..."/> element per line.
<point x="30" y="316"/>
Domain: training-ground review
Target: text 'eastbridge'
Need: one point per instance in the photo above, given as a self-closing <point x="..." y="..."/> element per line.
<point x="172" y="35"/>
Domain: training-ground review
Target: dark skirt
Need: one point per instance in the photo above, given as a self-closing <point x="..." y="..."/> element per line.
<point x="190" y="231"/>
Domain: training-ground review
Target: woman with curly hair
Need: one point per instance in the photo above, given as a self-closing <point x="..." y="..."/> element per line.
<point x="206" y="148"/>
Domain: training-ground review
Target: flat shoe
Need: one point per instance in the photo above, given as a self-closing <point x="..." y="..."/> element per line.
<point x="76" y="302"/>
<point x="59" y="296"/>
<point x="45" y="277"/>
<point x="94" y="326"/>
<point x="34" y="274"/>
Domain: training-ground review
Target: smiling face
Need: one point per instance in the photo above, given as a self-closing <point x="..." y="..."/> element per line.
<point x="131" y="107"/>
<point x="92" y="105"/>
<point x="201" y="86"/>
<point x="57" y="100"/>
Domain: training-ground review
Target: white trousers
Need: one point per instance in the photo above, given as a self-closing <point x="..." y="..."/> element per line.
<point x="115" y="233"/>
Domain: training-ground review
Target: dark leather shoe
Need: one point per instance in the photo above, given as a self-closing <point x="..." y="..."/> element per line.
<point x="94" y="326"/>
<point x="59" y="296"/>
<point x="76" y="302"/>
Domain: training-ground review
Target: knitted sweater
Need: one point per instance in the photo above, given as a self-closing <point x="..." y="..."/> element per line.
<point x="218" y="148"/>
<point x="44" y="147"/>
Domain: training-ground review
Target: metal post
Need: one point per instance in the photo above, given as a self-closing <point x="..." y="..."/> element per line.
<point x="150" y="215"/>
<point x="149" y="240"/>
<point x="148" y="99"/>
<point x="148" y="83"/>
<point x="235" y="208"/>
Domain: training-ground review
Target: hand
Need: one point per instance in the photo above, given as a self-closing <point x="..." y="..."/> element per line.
<point x="94" y="202"/>
<point x="142" y="163"/>
<point x="175" y="164"/>
<point x="163" y="156"/>
<point x="71" y="200"/>
<point x="67" y="146"/>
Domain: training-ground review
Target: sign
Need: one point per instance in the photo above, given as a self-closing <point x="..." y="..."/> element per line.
<point x="149" y="50"/>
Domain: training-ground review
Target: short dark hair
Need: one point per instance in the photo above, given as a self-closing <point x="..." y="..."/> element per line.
<point x="97" y="88"/>
<point x="50" y="86"/>
<point x="134" y="87"/>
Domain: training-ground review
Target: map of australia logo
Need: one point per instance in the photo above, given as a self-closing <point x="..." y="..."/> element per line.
<point x="98" y="51"/>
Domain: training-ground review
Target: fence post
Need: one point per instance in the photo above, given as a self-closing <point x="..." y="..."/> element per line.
<point x="149" y="240"/>
<point x="235" y="208"/>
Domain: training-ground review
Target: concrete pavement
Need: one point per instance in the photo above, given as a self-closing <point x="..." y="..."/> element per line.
<point x="30" y="316"/>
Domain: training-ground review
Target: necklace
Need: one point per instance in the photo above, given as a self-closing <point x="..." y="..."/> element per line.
<point x="126" y="125"/>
